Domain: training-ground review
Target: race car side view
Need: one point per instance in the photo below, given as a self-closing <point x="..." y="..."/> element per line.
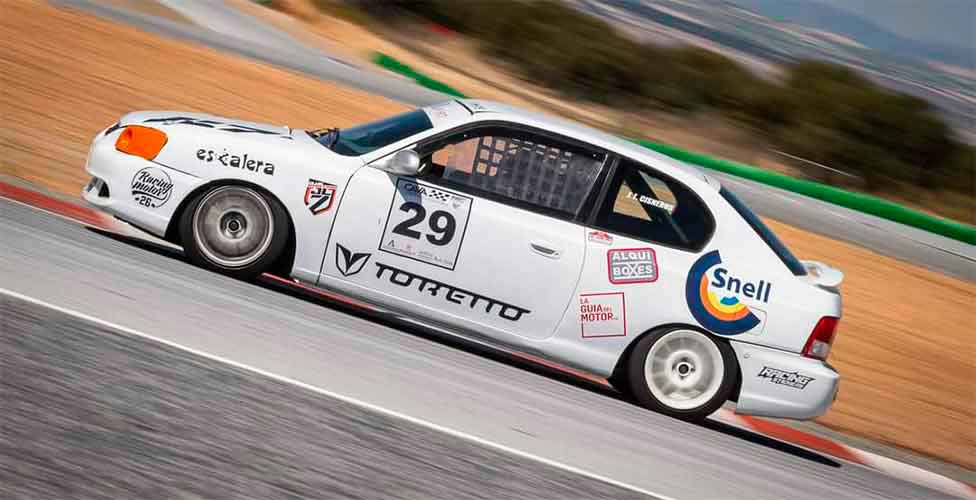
<point x="503" y="226"/>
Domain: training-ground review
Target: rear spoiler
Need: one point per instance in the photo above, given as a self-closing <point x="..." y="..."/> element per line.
<point x="822" y="275"/>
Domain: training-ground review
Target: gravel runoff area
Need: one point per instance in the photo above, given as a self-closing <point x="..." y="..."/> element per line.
<point x="91" y="413"/>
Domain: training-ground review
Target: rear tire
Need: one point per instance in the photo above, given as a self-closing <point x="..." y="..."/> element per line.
<point x="234" y="230"/>
<point x="681" y="372"/>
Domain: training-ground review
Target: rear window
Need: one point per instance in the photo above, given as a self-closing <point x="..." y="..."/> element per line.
<point x="765" y="233"/>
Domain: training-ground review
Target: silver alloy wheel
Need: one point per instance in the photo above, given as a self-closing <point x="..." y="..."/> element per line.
<point x="684" y="369"/>
<point x="233" y="226"/>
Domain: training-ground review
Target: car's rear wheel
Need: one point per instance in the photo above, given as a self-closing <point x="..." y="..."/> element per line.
<point x="681" y="372"/>
<point x="234" y="230"/>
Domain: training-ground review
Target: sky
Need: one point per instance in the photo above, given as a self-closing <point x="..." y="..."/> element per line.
<point x="951" y="22"/>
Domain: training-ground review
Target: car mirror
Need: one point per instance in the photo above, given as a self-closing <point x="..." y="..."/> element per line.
<point x="404" y="162"/>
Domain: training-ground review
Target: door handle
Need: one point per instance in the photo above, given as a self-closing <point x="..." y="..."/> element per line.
<point x="544" y="250"/>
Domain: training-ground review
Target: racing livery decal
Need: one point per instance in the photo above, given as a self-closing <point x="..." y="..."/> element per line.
<point x="236" y="161"/>
<point x="350" y="263"/>
<point x="452" y="294"/>
<point x="151" y="187"/>
<point x="789" y="379"/>
<point x="631" y="265"/>
<point x="426" y="224"/>
<point x="726" y="315"/>
<point x="602" y="315"/>
<point x="319" y="196"/>
<point x="214" y="124"/>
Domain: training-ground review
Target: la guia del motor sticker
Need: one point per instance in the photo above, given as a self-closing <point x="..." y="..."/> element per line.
<point x="602" y="315"/>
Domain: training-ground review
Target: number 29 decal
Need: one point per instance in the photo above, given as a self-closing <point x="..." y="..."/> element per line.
<point x="426" y="224"/>
<point x="442" y="224"/>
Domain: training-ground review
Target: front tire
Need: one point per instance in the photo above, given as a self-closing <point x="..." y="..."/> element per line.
<point x="234" y="230"/>
<point x="681" y="372"/>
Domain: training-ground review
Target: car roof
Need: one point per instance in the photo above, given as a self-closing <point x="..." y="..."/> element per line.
<point x="482" y="109"/>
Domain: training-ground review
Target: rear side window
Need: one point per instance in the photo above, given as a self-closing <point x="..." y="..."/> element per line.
<point x="651" y="207"/>
<point x="765" y="233"/>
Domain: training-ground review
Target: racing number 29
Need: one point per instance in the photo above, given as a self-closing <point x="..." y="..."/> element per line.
<point x="441" y="223"/>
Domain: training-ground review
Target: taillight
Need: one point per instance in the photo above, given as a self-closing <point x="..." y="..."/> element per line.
<point x="818" y="345"/>
<point x="141" y="141"/>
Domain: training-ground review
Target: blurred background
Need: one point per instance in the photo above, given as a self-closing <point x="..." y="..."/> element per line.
<point x="874" y="97"/>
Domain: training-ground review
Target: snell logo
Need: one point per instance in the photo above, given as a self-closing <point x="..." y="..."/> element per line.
<point x="713" y="296"/>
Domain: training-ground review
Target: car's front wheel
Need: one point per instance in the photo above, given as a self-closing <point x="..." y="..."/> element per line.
<point x="681" y="372"/>
<point x="234" y="230"/>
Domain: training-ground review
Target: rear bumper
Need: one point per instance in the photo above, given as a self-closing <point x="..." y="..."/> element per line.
<point x="782" y="384"/>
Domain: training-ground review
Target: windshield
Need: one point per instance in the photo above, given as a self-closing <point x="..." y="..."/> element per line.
<point x="765" y="233"/>
<point x="362" y="139"/>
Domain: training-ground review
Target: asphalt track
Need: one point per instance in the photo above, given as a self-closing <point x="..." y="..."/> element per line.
<point x="225" y="28"/>
<point x="607" y="447"/>
<point x="137" y="420"/>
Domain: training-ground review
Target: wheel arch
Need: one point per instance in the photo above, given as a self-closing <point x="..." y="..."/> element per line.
<point x="287" y="258"/>
<point x="618" y="376"/>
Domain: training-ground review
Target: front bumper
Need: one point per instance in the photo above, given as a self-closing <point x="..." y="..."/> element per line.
<point x="782" y="384"/>
<point x="111" y="187"/>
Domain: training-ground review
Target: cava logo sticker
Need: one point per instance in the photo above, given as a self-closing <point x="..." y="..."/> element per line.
<point x="151" y="187"/>
<point x="714" y="295"/>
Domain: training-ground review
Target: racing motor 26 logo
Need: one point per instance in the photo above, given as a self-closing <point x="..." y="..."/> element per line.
<point x="151" y="187"/>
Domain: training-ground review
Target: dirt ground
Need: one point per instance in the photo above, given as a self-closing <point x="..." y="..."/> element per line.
<point x="905" y="345"/>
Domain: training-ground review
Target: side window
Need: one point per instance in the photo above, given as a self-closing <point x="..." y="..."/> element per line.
<point x="520" y="166"/>
<point x="654" y="208"/>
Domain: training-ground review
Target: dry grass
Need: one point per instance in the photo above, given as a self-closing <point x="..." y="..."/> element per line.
<point x="906" y="349"/>
<point x="150" y="7"/>
<point x="64" y="76"/>
<point x="906" y="341"/>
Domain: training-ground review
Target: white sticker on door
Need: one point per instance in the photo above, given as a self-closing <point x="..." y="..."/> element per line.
<point x="426" y="224"/>
<point x="602" y="315"/>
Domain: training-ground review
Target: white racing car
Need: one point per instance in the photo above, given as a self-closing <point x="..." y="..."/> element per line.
<point x="502" y="226"/>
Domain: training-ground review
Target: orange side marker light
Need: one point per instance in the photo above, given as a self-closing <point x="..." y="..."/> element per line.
<point x="141" y="141"/>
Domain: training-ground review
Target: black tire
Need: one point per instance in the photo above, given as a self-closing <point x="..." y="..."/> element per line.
<point x="206" y="223"/>
<point x="635" y="382"/>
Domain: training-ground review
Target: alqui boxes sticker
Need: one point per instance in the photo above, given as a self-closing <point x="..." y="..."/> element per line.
<point x="631" y="265"/>
<point x="602" y="315"/>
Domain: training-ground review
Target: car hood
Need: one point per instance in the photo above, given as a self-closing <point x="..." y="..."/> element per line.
<point x="208" y="146"/>
<point x="183" y="120"/>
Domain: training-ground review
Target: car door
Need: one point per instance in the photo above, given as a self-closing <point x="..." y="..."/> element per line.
<point x="643" y="239"/>
<point x="486" y="239"/>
